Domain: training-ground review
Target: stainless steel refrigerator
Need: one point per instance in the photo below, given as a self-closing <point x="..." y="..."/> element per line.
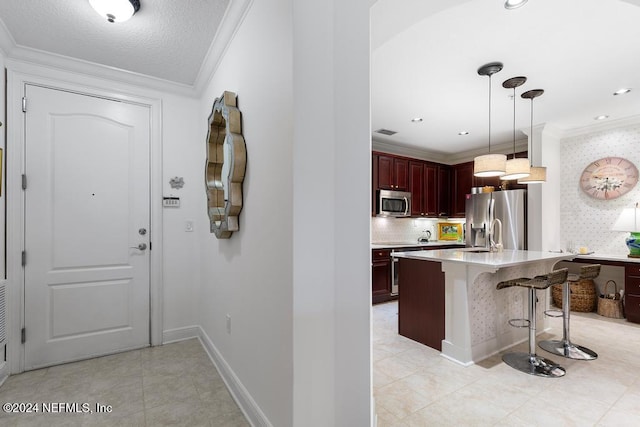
<point x="510" y="207"/>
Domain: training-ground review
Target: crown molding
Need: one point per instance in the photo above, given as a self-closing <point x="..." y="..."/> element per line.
<point x="6" y="39"/>
<point x="234" y="15"/>
<point x="447" y="159"/>
<point x="601" y="126"/>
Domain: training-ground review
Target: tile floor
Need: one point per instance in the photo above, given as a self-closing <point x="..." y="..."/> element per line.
<point x="415" y="386"/>
<point x="171" y="385"/>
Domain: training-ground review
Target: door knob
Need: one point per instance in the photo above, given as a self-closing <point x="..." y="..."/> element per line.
<point x="141" y="246"/>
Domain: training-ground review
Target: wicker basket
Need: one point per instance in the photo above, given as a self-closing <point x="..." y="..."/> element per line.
<point x="583" y="295"/>
<point x="610" y="305"/>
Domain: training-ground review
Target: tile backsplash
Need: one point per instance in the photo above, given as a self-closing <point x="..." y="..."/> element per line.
<point x="404" y="229"/>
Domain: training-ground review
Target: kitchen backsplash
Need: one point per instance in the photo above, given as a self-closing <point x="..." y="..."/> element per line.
<point x="586" y="221"/>
<point x="404" y="229"/>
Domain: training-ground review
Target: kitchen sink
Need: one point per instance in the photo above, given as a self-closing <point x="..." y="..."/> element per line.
<point x="475" y="251"/>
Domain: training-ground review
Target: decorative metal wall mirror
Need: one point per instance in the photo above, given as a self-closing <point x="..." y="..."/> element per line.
<point x="225" y="165"/>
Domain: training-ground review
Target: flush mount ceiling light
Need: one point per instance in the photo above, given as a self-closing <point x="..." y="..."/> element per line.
<point x="514" y="4"/>
<point x="515" y="168"/>
<point x="602" y="117"/>
<point x="416" y="120"/>
<point x="538" y="174"/>
<point x="116" y="10"/>
<point x="464" y="132"/>
<point x="489" y="164"/>
<point x="622" y="91"/>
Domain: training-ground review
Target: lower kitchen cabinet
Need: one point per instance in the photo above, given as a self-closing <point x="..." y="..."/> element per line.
<point x="421" y="301"/>
<point x="632" y="293"/>
<point x="380" y="275"/>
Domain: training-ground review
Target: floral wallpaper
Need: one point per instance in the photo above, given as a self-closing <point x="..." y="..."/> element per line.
<point x="586" y="221"/>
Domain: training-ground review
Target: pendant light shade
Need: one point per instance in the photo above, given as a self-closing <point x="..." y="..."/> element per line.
<point x="489" y="164"/>
<point x="116" y="10"/>
<point x="515" y="168"/>
<point x="538" y="174"/>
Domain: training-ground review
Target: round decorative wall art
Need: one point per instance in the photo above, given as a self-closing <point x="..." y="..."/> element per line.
<point x="609" y="178"/>
<point x="225" y="165"/>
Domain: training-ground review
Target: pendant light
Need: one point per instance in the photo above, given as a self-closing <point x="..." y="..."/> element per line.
<point x="116" y="10"/>
<point x="538" y="173"/>
<point x="515" y="168"/>
<point x="489" y="164"/>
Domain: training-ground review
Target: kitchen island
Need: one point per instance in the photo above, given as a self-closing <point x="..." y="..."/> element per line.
<point x="472" y="313"/>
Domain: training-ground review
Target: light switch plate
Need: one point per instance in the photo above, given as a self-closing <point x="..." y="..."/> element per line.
<point x="171" y="202"/>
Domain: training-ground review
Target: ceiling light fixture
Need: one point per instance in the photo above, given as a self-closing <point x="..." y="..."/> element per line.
<point x="116" y="10"/>
<point x="464" y="132"/>
<point x="417" y="120"/>
<point x="622" y="91"/>
<point x="514" y="4"/>
<point x="489" y="164"/>
<point x="538" y="174"/>
<point x="515" y="168"/>
<point x="602" y="117"/>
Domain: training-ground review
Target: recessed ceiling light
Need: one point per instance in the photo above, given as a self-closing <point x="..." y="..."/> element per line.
<point x="464" y="132"/>
<point x="514" y="4"/>
<point x="416" y="119"/>
<point x="622" y="91"/>
<point x="601" y="117"/>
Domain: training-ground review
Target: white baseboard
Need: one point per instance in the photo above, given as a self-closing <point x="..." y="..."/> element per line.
<point x="180" y="334"/>
<point x="249" y="407"/>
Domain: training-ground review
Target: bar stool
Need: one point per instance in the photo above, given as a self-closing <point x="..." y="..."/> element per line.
<point x="531" y="363"/>
<point x="565" y="347"/>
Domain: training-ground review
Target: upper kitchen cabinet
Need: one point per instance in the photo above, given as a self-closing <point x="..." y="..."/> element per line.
<point x="393" y="172"/>
<point x="462" y="181"/>
<point x="423" y="185"/>
<point x="444" y="191"/>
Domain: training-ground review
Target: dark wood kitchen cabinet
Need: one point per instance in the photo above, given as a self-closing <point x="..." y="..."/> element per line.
<point x="423" y="187"/>
<point x="380" y="275"/>
<point x="632" y="292"/>
<point x="392" y="172"/>
<point x="461" y="183"/>
<point x="444" y="191"/>
<point x="421" y="301"/>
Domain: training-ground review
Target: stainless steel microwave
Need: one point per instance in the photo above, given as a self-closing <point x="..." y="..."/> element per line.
<point x="393" y="203"/>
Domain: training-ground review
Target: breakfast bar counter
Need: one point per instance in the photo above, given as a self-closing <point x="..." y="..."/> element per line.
<point x="475" y="313"/>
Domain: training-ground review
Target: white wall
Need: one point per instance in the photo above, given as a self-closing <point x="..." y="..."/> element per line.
<point x="249" y="276"/>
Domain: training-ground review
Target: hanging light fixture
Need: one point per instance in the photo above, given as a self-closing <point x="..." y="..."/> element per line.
<point x="116" y="10"/>
<point x="538" y="174"/>
<point x="489" y="164"/>
<point x="515" y="168"/>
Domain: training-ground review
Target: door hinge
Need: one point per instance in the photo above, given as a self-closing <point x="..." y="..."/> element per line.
<point x="24" y="258"/>
<point x="23" y="336"/>
<point x="24" y="104"/>
<point x="24" y="181"/>
<point x="150" y="245"/>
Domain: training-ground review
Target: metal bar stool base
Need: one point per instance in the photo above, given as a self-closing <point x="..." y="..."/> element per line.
<point x="533" y="365"/>
<point x="567" y="349"/>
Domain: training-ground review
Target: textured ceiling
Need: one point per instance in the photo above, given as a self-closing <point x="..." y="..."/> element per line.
<point x="578" y="51"/>
<point x="167" y="39"/>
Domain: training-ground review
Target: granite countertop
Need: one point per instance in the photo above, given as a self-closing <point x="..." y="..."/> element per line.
<point x="413" y="244"/>
<point x="506" y="258"/>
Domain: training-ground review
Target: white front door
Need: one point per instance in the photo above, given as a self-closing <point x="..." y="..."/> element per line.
<point x="86" y="226"/>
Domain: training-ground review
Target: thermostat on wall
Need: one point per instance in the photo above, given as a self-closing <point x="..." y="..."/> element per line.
<point x="171" y="202"/>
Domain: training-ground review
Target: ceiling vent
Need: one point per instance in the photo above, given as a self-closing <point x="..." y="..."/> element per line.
<point x="386" y="132"/>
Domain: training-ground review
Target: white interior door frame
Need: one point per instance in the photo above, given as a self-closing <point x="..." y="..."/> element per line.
<point x="18" y="75"/>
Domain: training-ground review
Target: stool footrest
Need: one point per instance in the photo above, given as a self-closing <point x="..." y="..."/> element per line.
<point x="519" y="323"/>
<point x="554" y="313"/>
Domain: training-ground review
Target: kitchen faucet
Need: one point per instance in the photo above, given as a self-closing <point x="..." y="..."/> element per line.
<point x="493" y="246"/>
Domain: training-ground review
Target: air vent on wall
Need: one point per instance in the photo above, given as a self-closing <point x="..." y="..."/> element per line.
<point x="386" y="132"/>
